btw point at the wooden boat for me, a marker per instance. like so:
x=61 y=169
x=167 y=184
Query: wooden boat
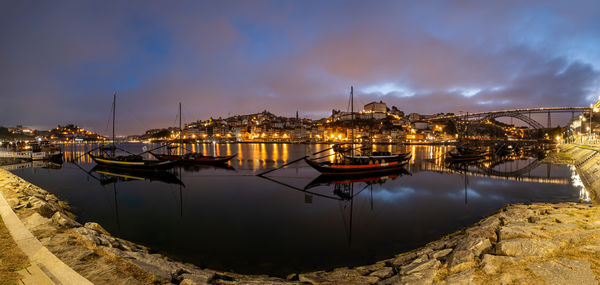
x=193 y=157
x=132 y=162
x=329 y=168
x=108 y=158
x=347 y=164
x=377 y=157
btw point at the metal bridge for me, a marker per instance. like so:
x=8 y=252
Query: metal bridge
x=521 y=114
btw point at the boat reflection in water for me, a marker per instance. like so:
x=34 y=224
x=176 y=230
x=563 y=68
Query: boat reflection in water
x=344 y=190
x=111 y=175
x=203 y=167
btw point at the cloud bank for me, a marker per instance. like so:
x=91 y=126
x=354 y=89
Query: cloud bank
x=60 y=62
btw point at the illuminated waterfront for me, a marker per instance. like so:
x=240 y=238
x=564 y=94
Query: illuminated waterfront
x=226 y=218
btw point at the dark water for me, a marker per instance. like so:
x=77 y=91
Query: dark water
x=230 y=219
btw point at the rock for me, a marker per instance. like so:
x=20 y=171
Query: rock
x=162 y=269
x=511 y=232
x=64 y=205
x=559 y=227
x=393 y=280
x=338 y=276
x=420 y=266
x=421 y=258
x=189 y=282
x=491 y=263
x=464 y=277
x=20 y=206
x=424 y=251
x=565 y=271
x=578 y=236
x=486 y=229
x=96 y=227
x=488 y=232
x=440 y=253
x=476 y=245
x=370 y=268
x=383 y=273
x=522 y=247
x=591 y=249
x=402 y=259
x=40 y=206
x=191 y=279
x=514 y=214
x=513 y=276
x=50 y=197
x=88 y=234
x=490 y=222
x=35 y=220
x=461 y=260
x=421 y=277
x=13 y=202
x=564 y=219
x=594 y=224
x=446 y=242
x=64 y=220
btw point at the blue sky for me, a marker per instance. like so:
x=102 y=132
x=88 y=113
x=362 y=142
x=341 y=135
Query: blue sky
x=61 y=61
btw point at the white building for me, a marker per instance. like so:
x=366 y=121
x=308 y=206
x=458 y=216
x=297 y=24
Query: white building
x=375 y=107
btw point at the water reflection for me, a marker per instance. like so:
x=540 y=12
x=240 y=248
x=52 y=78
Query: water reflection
x=341 y=188
x=32 y=164
x=111 y=175
x=107 y=176
x=296 y=220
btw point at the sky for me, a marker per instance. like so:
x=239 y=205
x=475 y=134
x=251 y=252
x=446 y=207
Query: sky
x=61 y=61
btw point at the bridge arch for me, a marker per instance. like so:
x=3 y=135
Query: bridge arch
x=531 y=122
x=515 y=173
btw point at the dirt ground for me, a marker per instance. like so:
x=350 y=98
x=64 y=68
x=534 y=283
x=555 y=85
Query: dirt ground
x=12 y=259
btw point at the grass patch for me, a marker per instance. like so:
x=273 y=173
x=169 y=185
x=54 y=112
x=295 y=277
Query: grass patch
x=12 y=259
x=585 y=146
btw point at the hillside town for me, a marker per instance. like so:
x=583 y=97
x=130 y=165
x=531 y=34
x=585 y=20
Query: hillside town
x=66 y=133
x=376 y=123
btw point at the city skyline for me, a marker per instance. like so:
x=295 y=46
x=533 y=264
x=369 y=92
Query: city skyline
x=64 y=60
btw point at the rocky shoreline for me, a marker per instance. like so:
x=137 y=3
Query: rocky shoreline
x=537 y=243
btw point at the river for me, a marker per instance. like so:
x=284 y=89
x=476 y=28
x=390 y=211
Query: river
x=227 y=218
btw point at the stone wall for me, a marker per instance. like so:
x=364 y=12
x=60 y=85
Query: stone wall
x=587 y=162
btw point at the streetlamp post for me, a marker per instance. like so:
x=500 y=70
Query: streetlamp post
x=580 y=128
x=591 y=114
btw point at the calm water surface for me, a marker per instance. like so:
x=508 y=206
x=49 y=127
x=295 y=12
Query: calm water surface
x=230 y=219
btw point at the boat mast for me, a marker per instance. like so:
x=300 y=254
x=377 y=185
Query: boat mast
x=180 y=138
x=352 y=114
x=113 y=122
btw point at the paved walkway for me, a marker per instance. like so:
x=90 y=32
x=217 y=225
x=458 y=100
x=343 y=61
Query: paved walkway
x=45 y=267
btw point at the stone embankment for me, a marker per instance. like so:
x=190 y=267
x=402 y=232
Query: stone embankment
x=533 y=244
x=586 y=160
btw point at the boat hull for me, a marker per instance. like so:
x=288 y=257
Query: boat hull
x=348 y=169
x=148 y=165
